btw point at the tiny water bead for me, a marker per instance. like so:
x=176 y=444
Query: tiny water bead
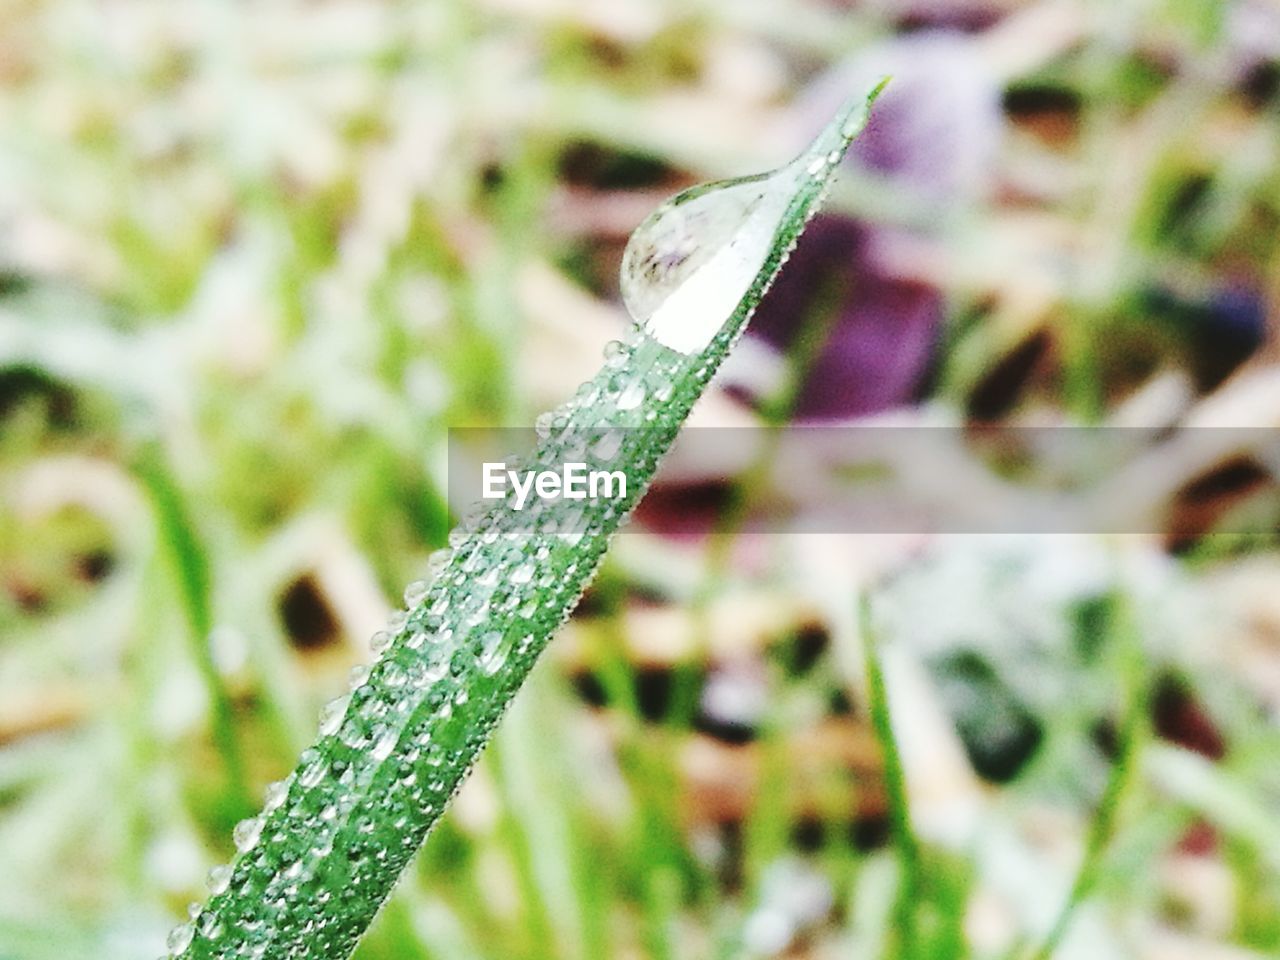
x=380 y=641
x=415 y=591
x=275 y=795
x=331 y=716
x=615 y=355
x=315 y=866
x=246 y=833
x=180 y=938
x=219 y=878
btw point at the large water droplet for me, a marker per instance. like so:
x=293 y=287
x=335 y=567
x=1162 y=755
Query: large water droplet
x=689 y=265
x=686 y=267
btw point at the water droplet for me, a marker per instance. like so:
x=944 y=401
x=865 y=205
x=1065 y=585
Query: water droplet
x=384 y=745
x=276 y=794
x=415 y=593
x=246 y=833
x=379 y=641
x=493 y=653
x=352 y=735
x=180 y=938
x=632 y=395
x=522 y=573
x=332 y=714
x=429 y=671
x=218 y=879
x=210 y=926
x=689 y=265
x=312 y=772
x=438 y=561
x=615 y=353
x=478 y=615
x=607 y=447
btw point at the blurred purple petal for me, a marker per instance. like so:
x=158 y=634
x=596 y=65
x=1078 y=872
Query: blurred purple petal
x=933 y=137
x=877 y=355
x=879 y=347
x=936 y=130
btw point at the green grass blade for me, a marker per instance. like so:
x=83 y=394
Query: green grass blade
x=315 y=867
x=189 y=567
x=1134 y=735
x=911 y=869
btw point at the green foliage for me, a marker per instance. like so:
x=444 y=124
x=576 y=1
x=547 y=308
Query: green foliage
x=321 y=859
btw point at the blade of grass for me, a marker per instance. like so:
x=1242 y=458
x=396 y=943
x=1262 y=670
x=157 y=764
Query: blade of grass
x=316 y=866
x=527 y=776
x=1134 y=734
x=911 y=879
x=189 y=566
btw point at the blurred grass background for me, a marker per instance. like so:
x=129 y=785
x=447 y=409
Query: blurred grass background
x=255 y=260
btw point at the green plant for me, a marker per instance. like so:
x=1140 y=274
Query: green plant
x=322 y=857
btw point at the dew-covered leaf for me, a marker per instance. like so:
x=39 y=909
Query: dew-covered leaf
x=315 y=866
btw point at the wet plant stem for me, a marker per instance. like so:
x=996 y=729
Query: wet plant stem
x=318 y=863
